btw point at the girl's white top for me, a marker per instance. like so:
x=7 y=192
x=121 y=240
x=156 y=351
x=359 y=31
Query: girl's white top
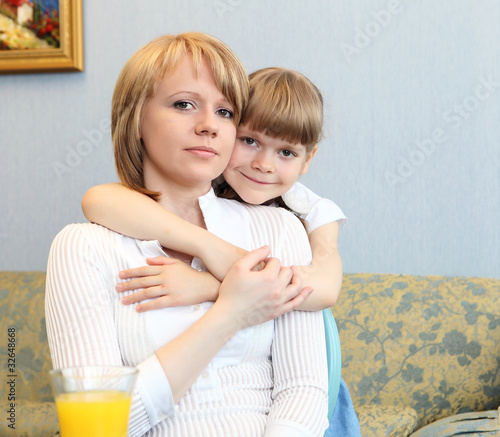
x=315 y=210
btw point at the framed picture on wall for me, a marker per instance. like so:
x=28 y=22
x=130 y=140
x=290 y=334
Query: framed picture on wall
x=41 y=36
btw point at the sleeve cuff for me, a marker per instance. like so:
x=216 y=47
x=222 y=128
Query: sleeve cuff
x=324 y=211
x=154 y=390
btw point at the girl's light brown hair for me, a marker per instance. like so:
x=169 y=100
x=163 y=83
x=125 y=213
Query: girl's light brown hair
x=285 y=104
x=139 y=80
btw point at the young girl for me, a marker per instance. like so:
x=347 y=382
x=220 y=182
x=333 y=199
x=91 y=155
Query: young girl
x=275 y=143
x=231 y=367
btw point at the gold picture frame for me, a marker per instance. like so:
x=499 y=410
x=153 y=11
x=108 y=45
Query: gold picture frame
x=67 y=57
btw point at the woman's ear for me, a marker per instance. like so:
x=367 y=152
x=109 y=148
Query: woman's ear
x=307 y=162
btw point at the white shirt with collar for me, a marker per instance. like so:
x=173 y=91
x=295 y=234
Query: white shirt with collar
x=269 y=380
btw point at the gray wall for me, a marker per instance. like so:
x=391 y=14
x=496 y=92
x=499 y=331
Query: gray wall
x=411 y=153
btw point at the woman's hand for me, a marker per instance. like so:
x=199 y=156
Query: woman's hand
x=169 y=282
x=257 y=296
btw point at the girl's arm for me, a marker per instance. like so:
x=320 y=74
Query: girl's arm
x=324 y=220
x=136 y=215
x=166 y=282
x=324 y=274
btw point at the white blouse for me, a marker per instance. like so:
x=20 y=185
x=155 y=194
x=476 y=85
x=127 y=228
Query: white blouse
x=269 y=380
x=315 y=210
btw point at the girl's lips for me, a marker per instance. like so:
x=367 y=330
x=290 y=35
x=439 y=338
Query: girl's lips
x=256 y=181
x=203 y=152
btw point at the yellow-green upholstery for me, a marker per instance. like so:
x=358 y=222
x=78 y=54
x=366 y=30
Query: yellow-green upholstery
x=415 y=349
x=430 y=343
x=22 y=314
x=384 y=420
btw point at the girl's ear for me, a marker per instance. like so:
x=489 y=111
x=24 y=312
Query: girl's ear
x=307 y=162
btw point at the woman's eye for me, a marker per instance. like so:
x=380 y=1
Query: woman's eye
x=183 y=105
x=249 y=141
x=226 y=113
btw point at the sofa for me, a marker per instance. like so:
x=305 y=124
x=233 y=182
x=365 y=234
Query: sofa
x=415 y=349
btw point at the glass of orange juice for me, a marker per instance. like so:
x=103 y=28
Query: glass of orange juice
x=93 y=401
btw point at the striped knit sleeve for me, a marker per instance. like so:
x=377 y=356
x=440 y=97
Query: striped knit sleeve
x=79 y=311
x=300 y=394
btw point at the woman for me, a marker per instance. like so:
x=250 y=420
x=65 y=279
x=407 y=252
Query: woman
x=218 y=368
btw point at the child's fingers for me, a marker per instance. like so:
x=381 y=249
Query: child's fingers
x=161 y=261
x=135 y=284
x=294 y=302
x=139 y=272
x=146 y=293
x=155 y=304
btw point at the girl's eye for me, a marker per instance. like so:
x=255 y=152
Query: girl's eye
x=183 y=105
x=249 y=141
x=226 y=113
x=287 y=153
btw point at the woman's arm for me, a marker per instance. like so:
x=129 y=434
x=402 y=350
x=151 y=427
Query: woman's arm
x=243 y=301
x=82 y=328
x=137 y=215
x=169 y=282
x=300 y=393
x=324 y=274
x=80 y=317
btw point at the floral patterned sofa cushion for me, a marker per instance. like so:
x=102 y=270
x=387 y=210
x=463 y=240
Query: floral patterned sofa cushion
x=430 y=343
x=415 y=349
x=22 y=322
x=386 y=421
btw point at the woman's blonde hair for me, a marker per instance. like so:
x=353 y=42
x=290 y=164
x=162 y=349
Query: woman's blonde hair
x=139 y=79
x=285 y=104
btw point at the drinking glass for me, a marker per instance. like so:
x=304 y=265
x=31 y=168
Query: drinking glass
x=93 y=401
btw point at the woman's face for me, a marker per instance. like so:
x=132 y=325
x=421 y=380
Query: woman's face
x=187 y=129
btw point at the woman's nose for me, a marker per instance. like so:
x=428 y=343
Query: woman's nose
x=207 y=124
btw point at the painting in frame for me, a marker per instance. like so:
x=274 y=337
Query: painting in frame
x=41 y=36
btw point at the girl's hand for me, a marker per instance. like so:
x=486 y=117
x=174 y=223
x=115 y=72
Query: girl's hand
x=257 y=296
x=169 y=282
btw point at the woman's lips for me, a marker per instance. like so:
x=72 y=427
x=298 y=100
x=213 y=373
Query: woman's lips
x=202 y=152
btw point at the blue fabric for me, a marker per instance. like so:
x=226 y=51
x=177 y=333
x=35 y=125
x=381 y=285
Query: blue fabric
x=344 y=421
x=334 y=356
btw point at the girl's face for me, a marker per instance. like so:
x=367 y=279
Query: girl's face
x=187 y=129
x=262 y=167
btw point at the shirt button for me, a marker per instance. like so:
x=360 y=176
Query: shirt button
x=196 y=307
x=205 y=375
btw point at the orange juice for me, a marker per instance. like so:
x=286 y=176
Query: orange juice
x=93 y=413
